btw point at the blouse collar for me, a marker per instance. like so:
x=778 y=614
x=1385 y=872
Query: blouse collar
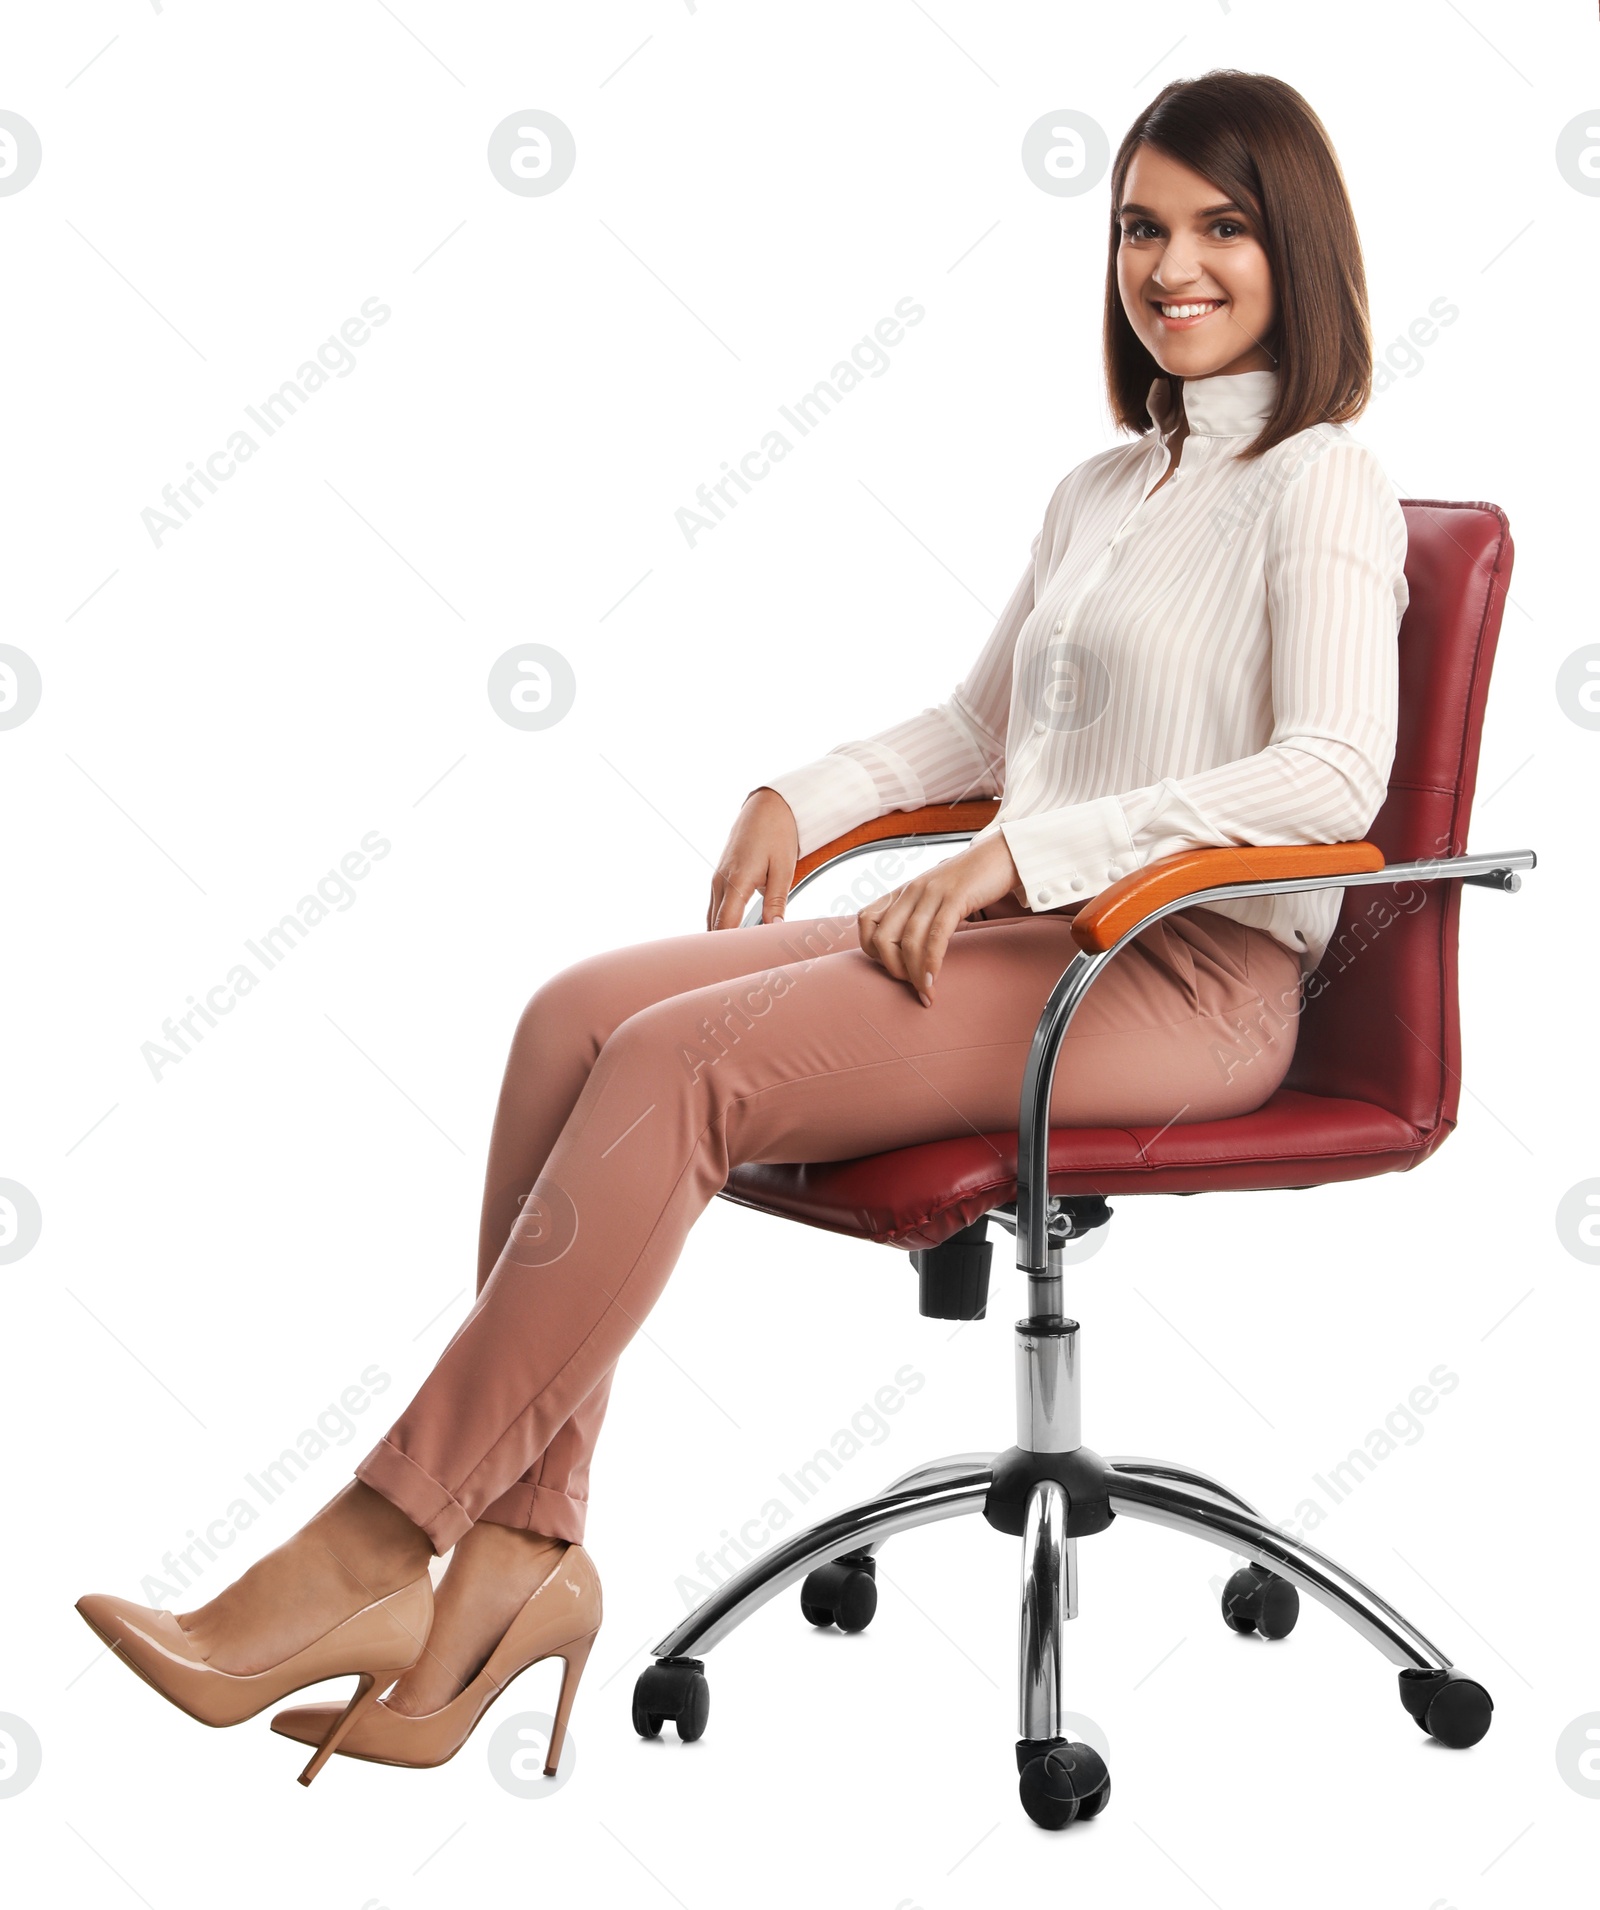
x=1225 y=405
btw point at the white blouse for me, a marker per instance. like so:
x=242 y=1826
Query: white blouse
x=1212 y=664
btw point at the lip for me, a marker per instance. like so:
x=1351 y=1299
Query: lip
x=1185 y=324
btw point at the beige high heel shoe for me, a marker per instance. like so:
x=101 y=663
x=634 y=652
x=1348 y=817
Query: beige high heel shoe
x=559 y=1620
x=376 y=1643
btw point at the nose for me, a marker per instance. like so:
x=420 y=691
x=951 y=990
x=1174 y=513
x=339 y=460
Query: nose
x=1175 y=274
x=1177 y=267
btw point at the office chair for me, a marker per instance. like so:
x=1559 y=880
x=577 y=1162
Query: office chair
x=1373 y=1088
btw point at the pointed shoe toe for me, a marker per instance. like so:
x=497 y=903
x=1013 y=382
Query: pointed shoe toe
x=374 y=1644
x=118 y=1621
x=382 y=1736
x=307 y=1723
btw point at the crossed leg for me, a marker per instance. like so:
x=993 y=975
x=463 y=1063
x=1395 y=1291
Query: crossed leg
x=797 y=1048
x=637 y=1080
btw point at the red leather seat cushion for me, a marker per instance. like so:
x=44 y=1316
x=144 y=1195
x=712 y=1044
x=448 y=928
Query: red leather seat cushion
x=919 y=1196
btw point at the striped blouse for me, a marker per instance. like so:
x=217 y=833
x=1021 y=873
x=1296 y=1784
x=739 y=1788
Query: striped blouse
x=1207 y=664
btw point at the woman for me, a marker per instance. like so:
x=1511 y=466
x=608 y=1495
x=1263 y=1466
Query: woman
x=1201 y=652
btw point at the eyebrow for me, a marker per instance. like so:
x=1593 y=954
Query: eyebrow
x=1207 y=212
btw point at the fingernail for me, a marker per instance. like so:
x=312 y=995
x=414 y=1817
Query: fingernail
x=927 y=981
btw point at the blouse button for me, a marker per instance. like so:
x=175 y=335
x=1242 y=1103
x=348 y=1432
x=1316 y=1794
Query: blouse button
x=1038 y=729
x=1077 y=881
x=1059 y=622
x=1113 y=870
x=1046 y=895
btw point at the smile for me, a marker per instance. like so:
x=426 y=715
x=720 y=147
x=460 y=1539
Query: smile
x=1182 y=315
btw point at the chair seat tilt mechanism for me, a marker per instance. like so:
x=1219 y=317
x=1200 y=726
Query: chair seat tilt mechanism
x=1373 y=1088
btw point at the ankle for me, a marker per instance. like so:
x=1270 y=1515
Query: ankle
x=372 y=1539
x=511 y=1542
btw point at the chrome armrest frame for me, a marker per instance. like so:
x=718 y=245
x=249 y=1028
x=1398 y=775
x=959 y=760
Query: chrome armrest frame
x=1033 y=1120
x=752 y=917
x=1029 y=1219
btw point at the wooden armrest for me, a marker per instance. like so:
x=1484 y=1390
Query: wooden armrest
x=1104 y=919
x=1101 y=922
x=937 y=819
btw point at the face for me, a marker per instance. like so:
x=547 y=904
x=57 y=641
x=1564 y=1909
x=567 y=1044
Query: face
x=1192 y=272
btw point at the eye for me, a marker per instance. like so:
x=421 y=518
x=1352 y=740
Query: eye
x=1225 y=228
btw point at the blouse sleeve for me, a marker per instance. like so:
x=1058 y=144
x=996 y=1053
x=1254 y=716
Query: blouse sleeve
x=1335 y=593
x=948 y=752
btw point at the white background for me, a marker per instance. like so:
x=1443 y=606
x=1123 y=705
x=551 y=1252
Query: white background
x=225 y=1249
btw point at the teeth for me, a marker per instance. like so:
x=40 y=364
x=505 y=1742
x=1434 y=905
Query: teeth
x=1190 y=311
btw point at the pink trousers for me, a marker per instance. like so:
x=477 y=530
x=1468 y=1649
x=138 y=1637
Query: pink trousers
x=639 y=1078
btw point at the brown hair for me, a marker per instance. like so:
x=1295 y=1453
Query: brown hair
x=1258 y=139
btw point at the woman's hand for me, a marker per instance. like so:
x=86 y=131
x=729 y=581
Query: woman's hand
x=908 y=930
x=762 y=849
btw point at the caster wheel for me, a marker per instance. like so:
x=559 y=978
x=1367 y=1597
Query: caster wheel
x=673 y=1688
x=842 y=1593
x=1255 y=1599
x=1449 y=1707
x=1061 y=1782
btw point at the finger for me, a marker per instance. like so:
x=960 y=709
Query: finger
x=921 y=946
x=775 y=890
x=944 y=926
x=867 y=930
x=884 y=948
x=888 y=934
x=735 y=895
x=715 y=904
x=914 y=943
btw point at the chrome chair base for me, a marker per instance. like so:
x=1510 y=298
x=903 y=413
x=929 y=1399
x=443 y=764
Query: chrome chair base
x=943 y=1490
x=1148 y=1489
x=1053 y=1490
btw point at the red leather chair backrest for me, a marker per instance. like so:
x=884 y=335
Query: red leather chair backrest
x=1380 y=1022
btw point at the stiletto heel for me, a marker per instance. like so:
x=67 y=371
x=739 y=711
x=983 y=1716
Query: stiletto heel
x=559 y=1620
x=366 y=1692
x=577 y=1656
